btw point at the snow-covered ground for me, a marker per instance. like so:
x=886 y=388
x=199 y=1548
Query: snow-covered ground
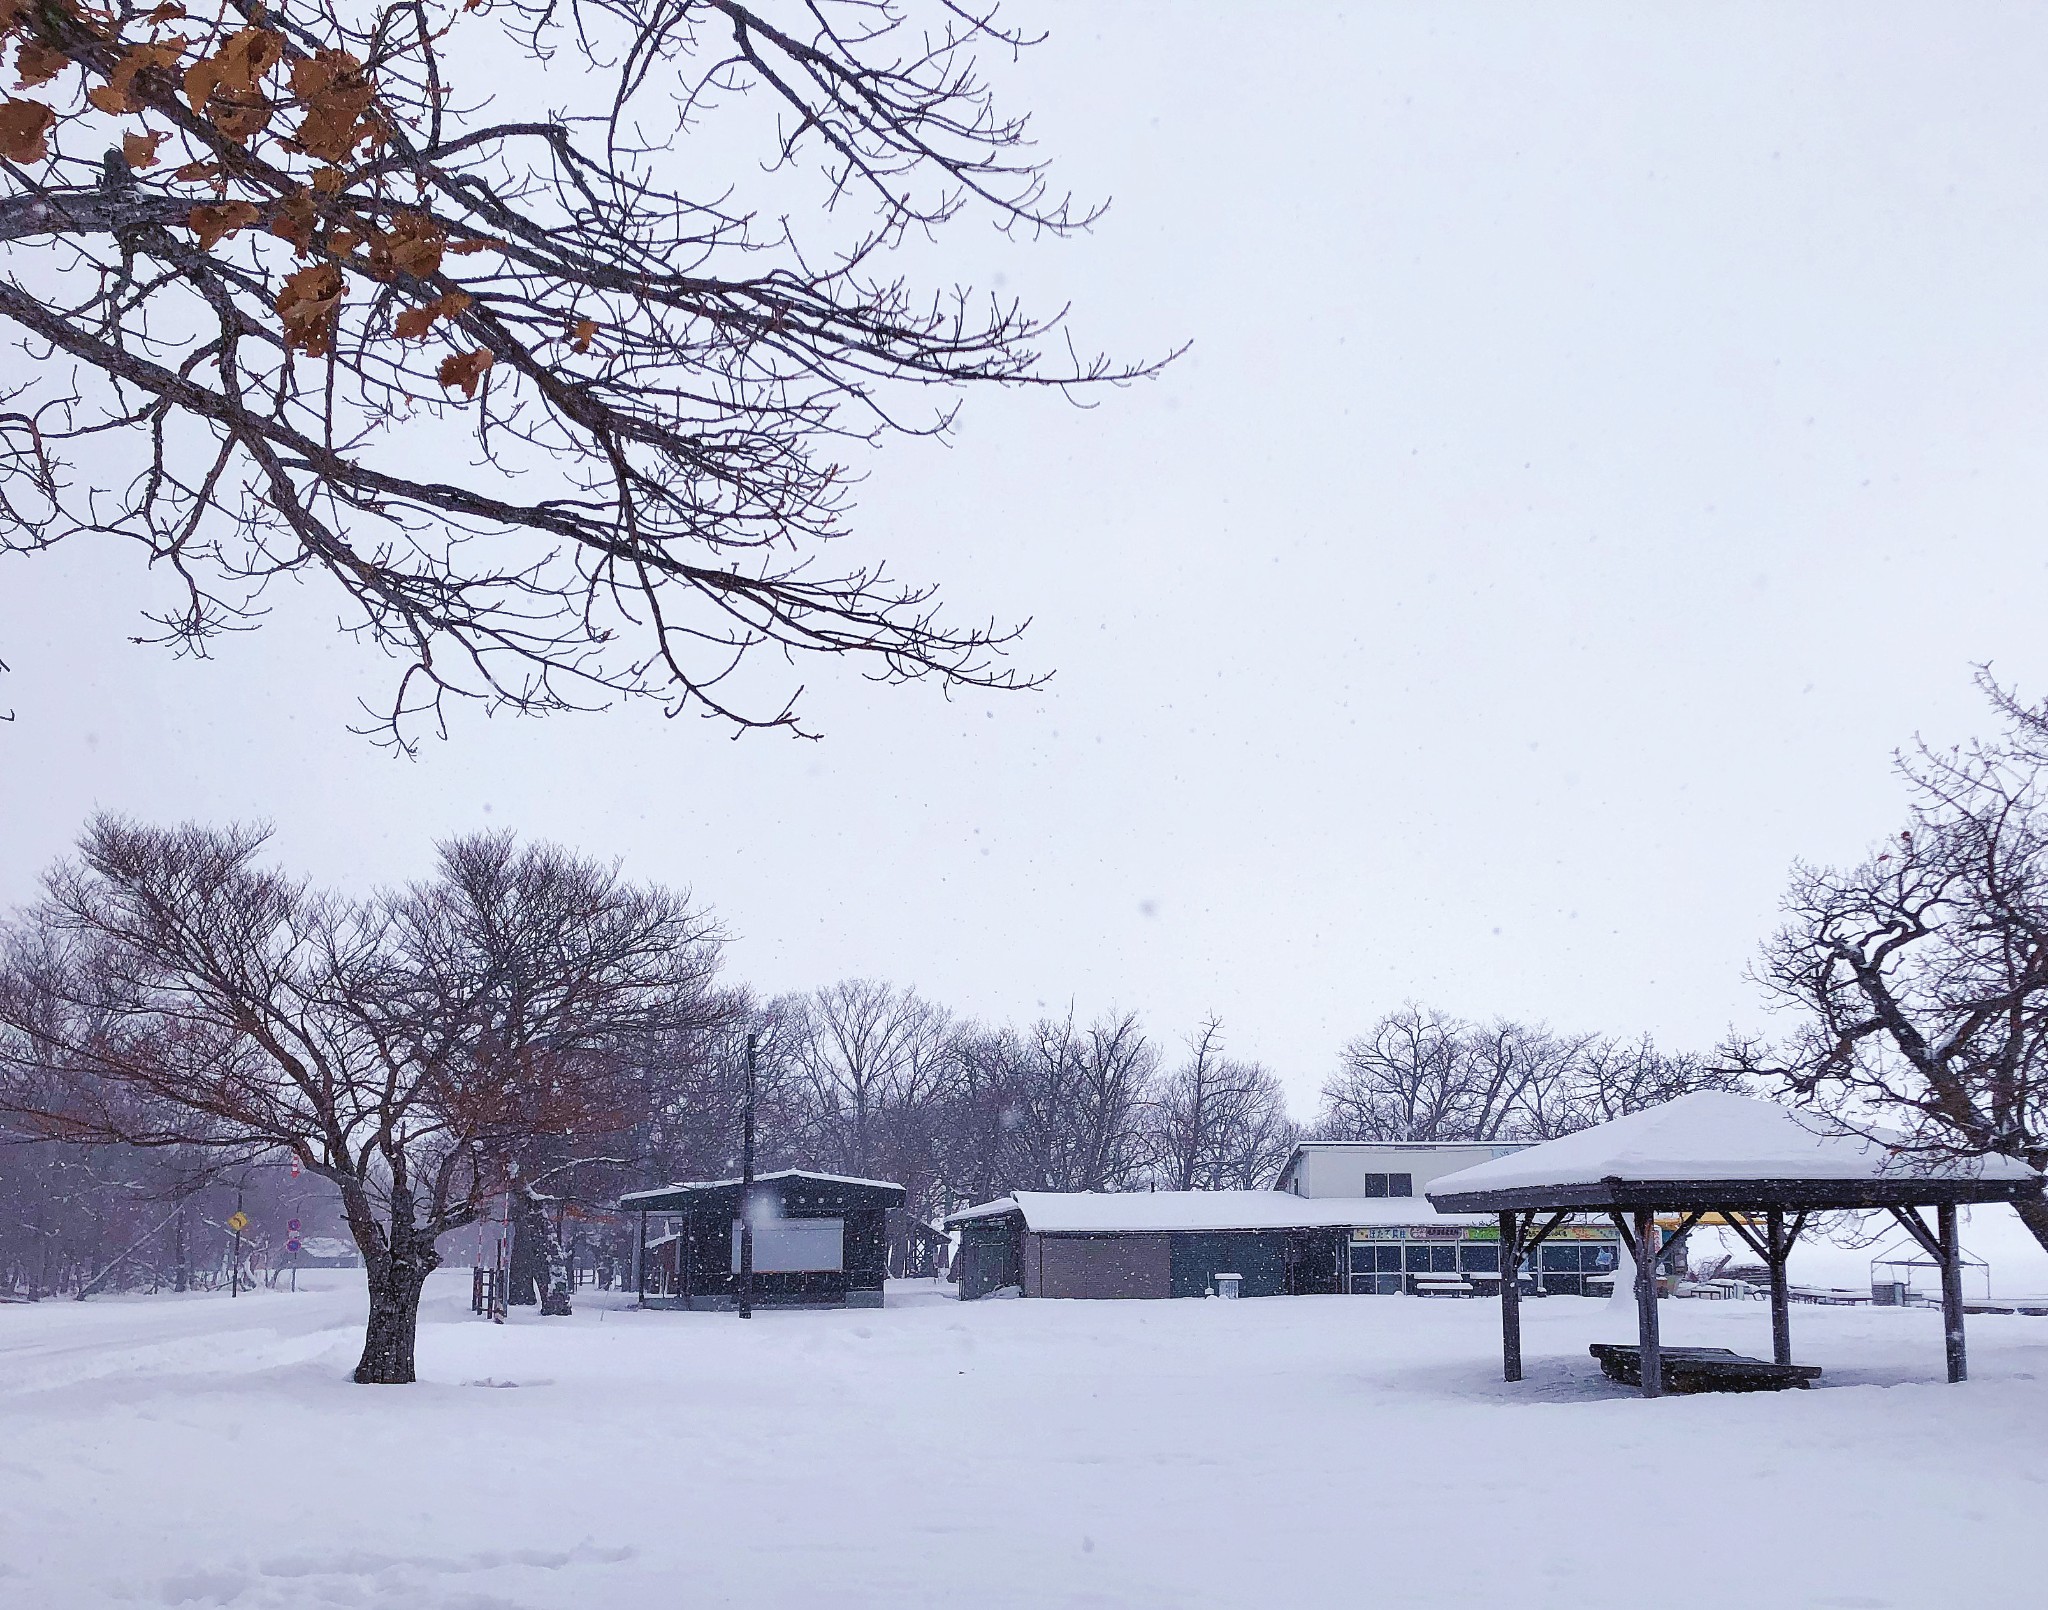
x=1291 y=1451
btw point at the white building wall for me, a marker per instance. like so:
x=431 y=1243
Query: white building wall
x=1339 y=1168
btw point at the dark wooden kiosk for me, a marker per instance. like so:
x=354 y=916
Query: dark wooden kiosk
x=819 y=1241
x=1760 y=1170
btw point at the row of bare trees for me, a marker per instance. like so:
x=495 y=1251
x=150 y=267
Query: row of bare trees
x=79 y=1219
x=873 y=1080
x=1423 y=1074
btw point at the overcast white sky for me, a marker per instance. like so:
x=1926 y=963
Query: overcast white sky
x=1608 y=433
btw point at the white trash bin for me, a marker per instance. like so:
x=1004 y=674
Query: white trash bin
x=1227 y=1285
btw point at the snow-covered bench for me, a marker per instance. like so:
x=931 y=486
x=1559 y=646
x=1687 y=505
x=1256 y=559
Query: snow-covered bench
x=1702 y=1369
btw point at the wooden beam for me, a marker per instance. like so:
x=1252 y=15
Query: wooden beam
x=1646 y=1303
x=1510 y=1297
x=1535 y=1240
x=1952 y=1293
x=1915 y=1226
x=1747 y=1236
x=1688 y=1222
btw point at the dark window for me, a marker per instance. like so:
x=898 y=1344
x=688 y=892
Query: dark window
x=1600 y=1259
x=1487 y=1258
x=1560 y=1257
x=1375 y=1185
x=1400 y=1185
x=1443 y=1260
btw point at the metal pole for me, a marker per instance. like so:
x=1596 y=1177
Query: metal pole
x=1510 y=1298
x=747 y=1190
x=1781 y=1301
x=640 y=1261
x=1952 y=1292
x=1646 y=1303
x=235 y=1257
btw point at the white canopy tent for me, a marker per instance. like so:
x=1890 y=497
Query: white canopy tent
x=1750 y=1163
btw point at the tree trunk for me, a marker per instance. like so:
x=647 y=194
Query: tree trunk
x=537 y=1257
x=393 y=1330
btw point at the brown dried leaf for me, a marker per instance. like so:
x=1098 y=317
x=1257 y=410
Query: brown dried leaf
x=579 y=341
x=294 y=220
x=336 y=93
x=412 y=245
x=202 y=78
x=469 y=248
x=38 y=64
x=25 y=130
x=213 y=224
x=329 y=181
x=169 y=12
x=309 y=305
x=117 y=95
x=248 y=57
x=415 y=322
x=193 y=172
x=140 y=149
x=240 y=116
x=465 y=369
x=343 y=241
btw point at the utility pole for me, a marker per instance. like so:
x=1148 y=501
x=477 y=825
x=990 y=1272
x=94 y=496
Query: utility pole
x=747 y=1188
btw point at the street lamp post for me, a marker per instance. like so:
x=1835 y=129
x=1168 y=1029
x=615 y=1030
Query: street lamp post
x=747 y=1189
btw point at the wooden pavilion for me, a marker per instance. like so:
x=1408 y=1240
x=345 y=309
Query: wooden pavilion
x=1759 y=1169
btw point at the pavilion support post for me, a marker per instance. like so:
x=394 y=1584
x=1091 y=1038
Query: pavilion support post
x=640 y=1263
x=1646 y=1303
x=1510 y=1297
x=1779 y=1249
x=1952 y=1292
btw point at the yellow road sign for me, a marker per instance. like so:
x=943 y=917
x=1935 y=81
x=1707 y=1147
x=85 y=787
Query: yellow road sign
x=238 y=1222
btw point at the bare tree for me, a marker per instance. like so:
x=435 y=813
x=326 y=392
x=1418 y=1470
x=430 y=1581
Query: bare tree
x=1605 y=1078
x=169 y=991
x=1077 y=1104
x=872 y=1058
x=1404 y=1080
x=558 y=404
x=1219 y=1124
x=1918 y=978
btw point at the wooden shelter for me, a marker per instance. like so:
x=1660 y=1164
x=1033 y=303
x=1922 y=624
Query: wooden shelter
x=1754 y=1167
x=819 y=1241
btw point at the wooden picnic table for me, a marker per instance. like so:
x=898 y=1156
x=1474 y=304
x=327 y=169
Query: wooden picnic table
x=1703 y=1369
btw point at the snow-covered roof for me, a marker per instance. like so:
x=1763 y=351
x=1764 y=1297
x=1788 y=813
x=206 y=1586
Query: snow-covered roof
x=1718 y=1138
x=632 y=1197
x=1124 y=1212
